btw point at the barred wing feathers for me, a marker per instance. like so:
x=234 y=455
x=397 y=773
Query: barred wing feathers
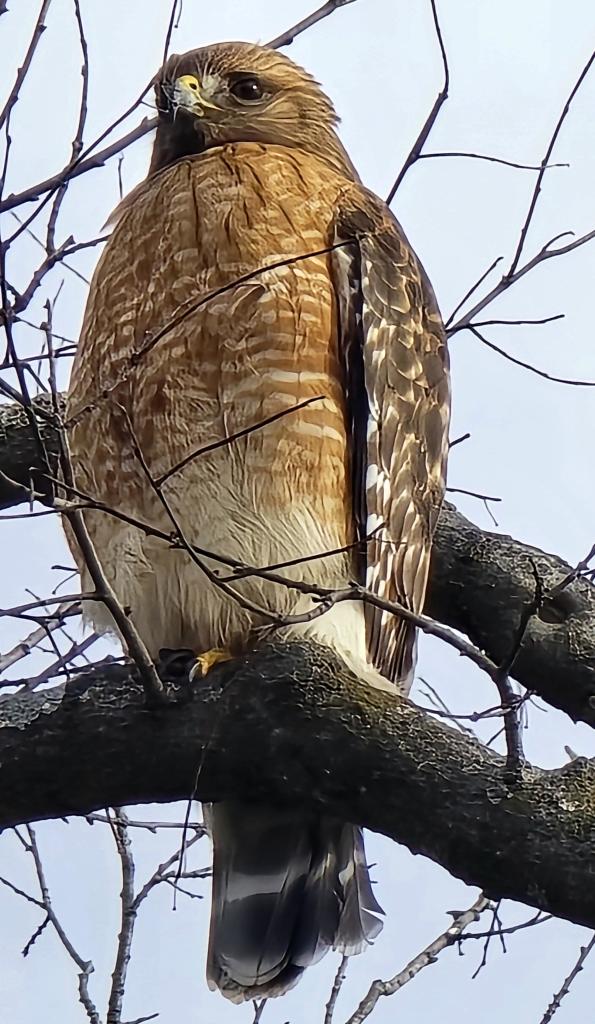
x=398 y=401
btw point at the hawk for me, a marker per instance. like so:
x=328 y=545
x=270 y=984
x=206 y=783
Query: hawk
x=262 y=370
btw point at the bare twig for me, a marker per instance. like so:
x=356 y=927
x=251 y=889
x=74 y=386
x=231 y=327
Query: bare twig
x=459 y=440
x=494 y=931
x=137 y=650
x=432 y=117
x=68 y=170
x=335 y=990
x=544 y=163
x=579 y=570
x=158 y=875
x=150 y=826
x=40 y=27
x=20 y=892
x=287 y=37
x=564 y=990
x=538 y=918
x=85 y=966
x=472 y=494
x=428 y=956
x=230 y=438
x=29 y=643
x=63 y=661
x=77 y=143
x=68 y=248
x=80 y=166
x=470 y=291
x=119 y=826
x=491 y=159
x=172 y=23
x=258 y=1010
x=509 y=279
x=519 y=323
x=528 y=366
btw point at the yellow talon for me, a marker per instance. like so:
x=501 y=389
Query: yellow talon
x=205 y=661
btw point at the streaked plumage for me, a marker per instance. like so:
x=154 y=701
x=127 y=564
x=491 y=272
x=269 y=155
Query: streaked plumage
x=249 y=273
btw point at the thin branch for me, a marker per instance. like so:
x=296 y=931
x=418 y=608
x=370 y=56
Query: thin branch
x=495 y=930
x=158 y=875
x=519 y=323
x=119 y=826
x=137 y=650
x=230 y=438
x=564 y=990
x=150 y=826
x=580 y=569
x=38 y=931
x=40 y=27
x=538 y=918
x=68 y=248
x=104 y=591
x=258 y=1010
x=428 y=956
x=20 y=892
x=63 y=661
x=432 y=117
x=491 y=159
x=472 y=494
x=34 y=639
x=528 y=366
x=70 y=167
x=287 y=37
x=85 y=966
x=459 y=440
x=335 y=990
x=170 y=28
x=80 y=166
x=77 y=143
x=508 y=279
x=544 y=163
x=470 y=292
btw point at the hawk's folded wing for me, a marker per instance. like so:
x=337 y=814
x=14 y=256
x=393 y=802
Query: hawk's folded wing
x=397 y=389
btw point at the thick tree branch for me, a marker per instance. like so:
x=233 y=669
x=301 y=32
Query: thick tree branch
x=481 y=583
x=289 y=723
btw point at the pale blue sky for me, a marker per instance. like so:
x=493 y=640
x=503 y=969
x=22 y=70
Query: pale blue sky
x=512 y=65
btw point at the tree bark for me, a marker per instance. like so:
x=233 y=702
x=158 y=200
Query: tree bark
x=480 y=583
x=289 y=723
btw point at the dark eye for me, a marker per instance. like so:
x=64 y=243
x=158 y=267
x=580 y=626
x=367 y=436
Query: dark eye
x=246 y=88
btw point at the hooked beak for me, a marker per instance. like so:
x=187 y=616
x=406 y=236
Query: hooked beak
x=186 y=94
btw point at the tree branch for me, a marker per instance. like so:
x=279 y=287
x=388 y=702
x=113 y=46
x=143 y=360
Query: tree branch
x=288 y=723
x=481 y=583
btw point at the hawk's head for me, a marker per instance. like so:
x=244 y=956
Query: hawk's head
x=239 y=92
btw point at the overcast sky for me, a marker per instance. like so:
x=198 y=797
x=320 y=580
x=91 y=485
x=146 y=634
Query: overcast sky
x=512 y=66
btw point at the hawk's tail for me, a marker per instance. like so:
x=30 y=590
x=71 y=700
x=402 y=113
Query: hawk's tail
x=286 y=887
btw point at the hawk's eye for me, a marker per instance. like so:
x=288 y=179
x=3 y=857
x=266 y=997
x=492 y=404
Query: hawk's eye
x=246 y=88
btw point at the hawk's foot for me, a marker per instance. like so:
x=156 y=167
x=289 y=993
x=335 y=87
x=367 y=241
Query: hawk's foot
x=204 y=662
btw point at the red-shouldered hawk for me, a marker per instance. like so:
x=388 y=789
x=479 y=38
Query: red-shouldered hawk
x=252 y=278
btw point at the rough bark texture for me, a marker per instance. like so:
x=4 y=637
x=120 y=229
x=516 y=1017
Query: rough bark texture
x=480 y=584
x=20 y=456
x=289 y=723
